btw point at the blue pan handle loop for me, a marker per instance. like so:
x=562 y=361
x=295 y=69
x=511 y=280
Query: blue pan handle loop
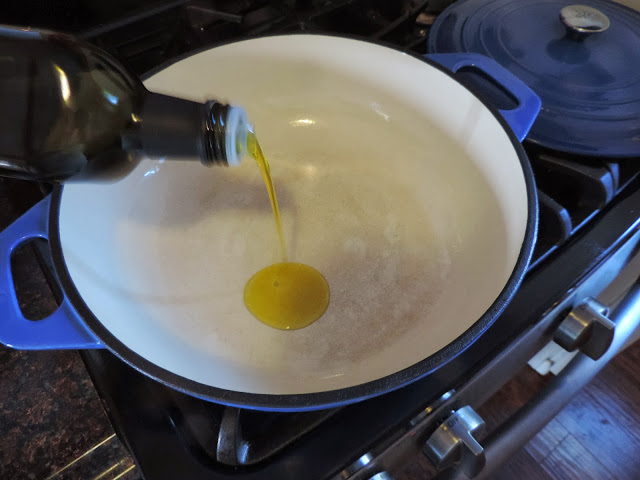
x=63 y=329
x=521 y=118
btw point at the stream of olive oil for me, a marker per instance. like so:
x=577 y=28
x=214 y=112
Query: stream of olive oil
x=256 y=152
x=285 y=295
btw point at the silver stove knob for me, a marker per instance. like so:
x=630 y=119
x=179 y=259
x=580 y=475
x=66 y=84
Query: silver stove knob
x=453 y=443
x=586 y=328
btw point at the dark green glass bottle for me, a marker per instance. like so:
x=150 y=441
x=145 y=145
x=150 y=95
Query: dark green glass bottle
x=70 y=111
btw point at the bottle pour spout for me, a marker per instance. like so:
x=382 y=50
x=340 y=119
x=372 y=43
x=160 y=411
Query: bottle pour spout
x=213 y=132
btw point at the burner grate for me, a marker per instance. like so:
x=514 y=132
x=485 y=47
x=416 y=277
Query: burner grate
x=152 y=36
x=571 y=192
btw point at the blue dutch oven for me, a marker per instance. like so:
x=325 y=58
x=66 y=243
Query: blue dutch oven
x=408 y=191
x=582 y=60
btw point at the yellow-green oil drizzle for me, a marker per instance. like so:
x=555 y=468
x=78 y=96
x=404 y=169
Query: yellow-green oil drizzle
x=256 y=153
x=285 y=295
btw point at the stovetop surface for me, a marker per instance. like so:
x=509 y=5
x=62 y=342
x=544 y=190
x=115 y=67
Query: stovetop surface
x=586 y=206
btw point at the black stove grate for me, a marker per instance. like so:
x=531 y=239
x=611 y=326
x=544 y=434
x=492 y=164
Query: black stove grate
x=571 y=192
x=153 y=35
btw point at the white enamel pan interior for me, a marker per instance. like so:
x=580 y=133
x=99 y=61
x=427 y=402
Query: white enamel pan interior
x=394 y=181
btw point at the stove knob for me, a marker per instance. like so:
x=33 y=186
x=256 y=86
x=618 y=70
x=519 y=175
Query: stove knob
x=586 y=328
x=454 y=443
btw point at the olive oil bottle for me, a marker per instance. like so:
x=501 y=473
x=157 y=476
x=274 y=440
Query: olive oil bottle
x=70 y=111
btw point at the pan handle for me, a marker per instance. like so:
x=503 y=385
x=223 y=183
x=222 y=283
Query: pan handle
x=520 y=118
x=64 y=328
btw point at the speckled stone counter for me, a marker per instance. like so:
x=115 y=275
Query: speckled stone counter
x=52 y=424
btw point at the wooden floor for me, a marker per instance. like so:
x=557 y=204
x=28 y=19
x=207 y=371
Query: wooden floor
x=597 y=436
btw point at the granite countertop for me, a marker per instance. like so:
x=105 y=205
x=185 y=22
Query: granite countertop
x=52 y=423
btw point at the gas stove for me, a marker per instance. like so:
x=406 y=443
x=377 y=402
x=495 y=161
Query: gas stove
x=579 y=295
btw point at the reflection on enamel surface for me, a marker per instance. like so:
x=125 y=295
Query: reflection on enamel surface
x=302 y=122
x=378 y=109
x=65 y=90
x=310 y=170
x=152 y=171
x=112 y=99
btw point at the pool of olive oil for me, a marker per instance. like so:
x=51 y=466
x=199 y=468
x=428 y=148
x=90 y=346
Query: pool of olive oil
x=285 y=295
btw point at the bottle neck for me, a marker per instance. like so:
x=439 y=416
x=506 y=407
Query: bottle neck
x=171 y=127
x=214 y=137
x=226 y=130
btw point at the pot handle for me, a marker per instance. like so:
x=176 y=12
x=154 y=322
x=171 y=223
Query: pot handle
x=520 y=118
x=64 y=328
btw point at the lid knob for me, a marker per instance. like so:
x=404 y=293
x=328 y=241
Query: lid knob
x=582 y=21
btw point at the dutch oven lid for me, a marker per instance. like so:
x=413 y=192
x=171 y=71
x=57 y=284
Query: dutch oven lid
x=582 y=60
